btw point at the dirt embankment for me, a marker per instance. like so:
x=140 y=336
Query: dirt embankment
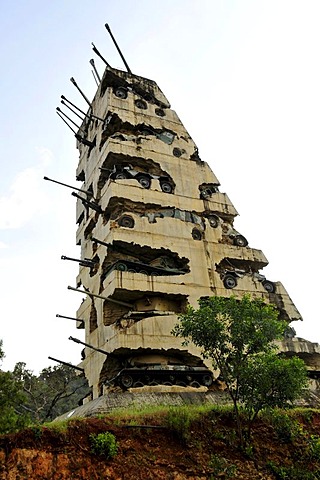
x=152 y=448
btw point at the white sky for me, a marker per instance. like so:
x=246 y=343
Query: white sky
x=244 y=78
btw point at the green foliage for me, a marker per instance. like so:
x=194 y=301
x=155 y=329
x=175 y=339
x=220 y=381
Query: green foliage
x=220 y=467
x=11 y=395
x=1 y=350
x=104 y=444
x=268 y=381
x=292 y=472
x=286 y=427
x=313 y=450
x=53 y=392
x=179 y=419
x=239 y=336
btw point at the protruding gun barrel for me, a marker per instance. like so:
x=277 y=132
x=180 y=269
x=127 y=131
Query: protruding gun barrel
x=72 y=318
x=96 y=51
x=94 y=68
x=67 y=364
x=72 y=80
x=117 y=47
x=87 y=203
x=76 y=340
x=84 y=263
x=112 y=300
x=87 y=192
x=64 y=99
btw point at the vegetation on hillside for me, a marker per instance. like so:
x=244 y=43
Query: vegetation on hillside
x=190 y=442
x=239 y=336
x=27 y=399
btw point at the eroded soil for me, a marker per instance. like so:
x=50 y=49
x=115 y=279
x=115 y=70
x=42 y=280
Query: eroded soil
x=150 y=449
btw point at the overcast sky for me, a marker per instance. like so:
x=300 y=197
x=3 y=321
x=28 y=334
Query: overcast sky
x=243 y=77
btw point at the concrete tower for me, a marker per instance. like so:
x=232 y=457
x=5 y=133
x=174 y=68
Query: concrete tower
x=156 y=234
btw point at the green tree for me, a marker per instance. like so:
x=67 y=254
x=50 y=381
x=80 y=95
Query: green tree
x=53 y=392
x=11 y=396
x=239 y=336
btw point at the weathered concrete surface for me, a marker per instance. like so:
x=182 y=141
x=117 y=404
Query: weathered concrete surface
x=143 y=134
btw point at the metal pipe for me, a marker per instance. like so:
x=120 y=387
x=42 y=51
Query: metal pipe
x=76 y=340
x=67 y=364
x=72 y=80
x=87 y=192
x=100 y=296
x=94 y=68
x=117 y=47
x=96 y=51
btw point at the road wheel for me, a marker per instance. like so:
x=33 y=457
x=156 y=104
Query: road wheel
x=195 y=384
x=230 y=281
x=141 y=104
x=126 y=221
x=207 y=380
x=121 y=92
x=121 y=176
x=196 y=234
x=122 y=267
x=240 y=241
x=166 y=187
x=269 y=286
x=126 y=380
x=144 y=181
x=213 y=221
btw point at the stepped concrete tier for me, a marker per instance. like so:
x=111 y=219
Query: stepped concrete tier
x=156 y=233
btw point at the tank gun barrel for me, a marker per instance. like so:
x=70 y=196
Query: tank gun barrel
x=74 y=131
x=86 y=202
x=94 y=239
x=86 y=262
x=94 y=68
x=64 y=99
x=72 y=80
x=117 y=47
x=70 y=120
x=67 y=364
x=71 y=318
x=76 y=340
x=96 y=51
x=112 y=300
x=87 y=192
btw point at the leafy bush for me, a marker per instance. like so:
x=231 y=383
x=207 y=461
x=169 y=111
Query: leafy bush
x=104 y=444
x=178 y=420
x=285 y=427
x=313 y=450
x=291 y=472
x=220 y=467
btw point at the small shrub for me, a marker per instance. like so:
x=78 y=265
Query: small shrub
x=291 y=472
x=313 y=450
x=37 y=431
x=178 y=420
x=220 y=467
x=286 y=427
x=104 y=444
